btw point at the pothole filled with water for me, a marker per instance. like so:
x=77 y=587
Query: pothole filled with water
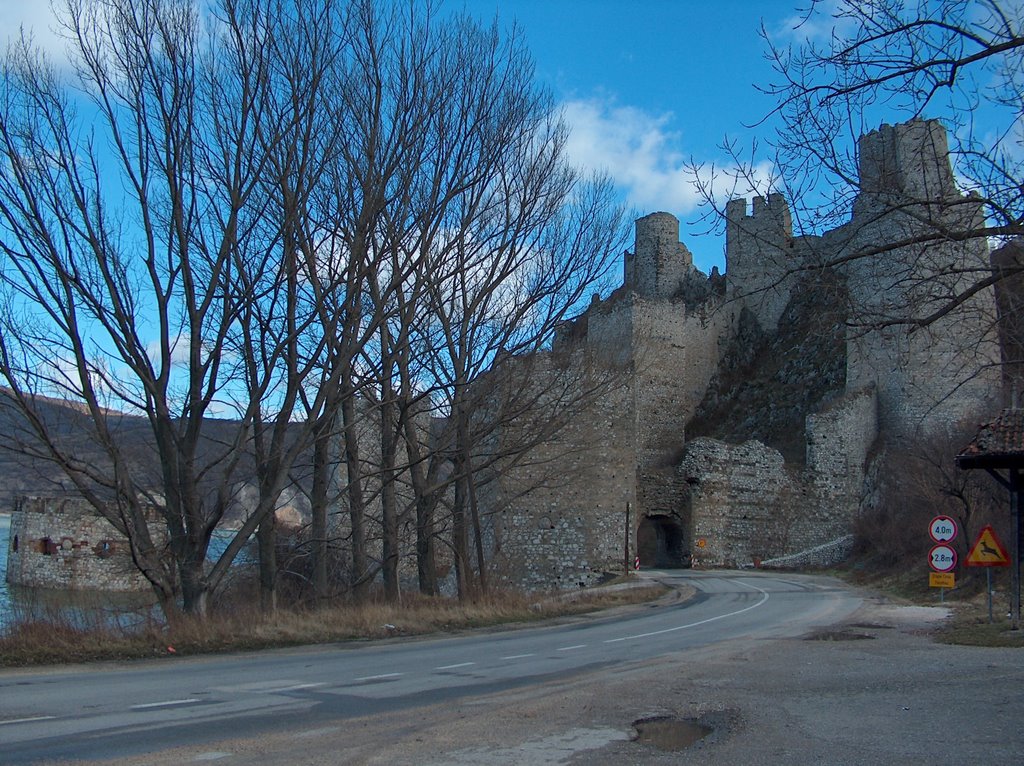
x=671 y=734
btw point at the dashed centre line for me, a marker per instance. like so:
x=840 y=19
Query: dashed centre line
x=297 y=687
x=381 y=677
x=29 y=720
x=458 y=665
x=518 y=656
x=165 y=703
x=570 y=648
x=764 y=599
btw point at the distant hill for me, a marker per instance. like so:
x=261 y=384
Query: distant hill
x=24 y=469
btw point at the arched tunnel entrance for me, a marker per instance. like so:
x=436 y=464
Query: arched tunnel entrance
x=660 y=543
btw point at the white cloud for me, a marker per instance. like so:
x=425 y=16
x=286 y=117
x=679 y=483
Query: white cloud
x=829 y=17
x=645 y=158
x=636 y=148
x=37 y=18
x=181 y=348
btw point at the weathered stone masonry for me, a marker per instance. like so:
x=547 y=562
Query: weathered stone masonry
x=671 y=326
x=692 y=348
x=62 y=544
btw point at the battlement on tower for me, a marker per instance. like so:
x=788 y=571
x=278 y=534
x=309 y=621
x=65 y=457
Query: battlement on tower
x=660 y=264
x=905 y=163
x=759 y=256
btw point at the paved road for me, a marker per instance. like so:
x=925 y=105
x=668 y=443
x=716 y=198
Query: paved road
x=93 y=713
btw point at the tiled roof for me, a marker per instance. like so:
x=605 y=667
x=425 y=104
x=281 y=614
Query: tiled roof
x=998 y=444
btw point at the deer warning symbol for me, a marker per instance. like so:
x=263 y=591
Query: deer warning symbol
x=987 y=551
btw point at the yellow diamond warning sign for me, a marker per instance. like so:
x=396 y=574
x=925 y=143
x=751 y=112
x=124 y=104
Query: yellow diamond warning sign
x=987 y=551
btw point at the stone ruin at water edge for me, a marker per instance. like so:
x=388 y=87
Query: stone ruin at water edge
x=753 y=412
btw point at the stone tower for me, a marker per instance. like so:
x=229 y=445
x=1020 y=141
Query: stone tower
x=660 y=263
x=758 y=256
x=901 y=266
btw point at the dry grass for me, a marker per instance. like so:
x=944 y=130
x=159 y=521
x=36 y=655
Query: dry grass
x=52 y=641
x=970 y=625
x=968 y=601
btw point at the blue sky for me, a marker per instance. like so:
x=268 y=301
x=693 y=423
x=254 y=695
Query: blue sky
x=647 y=86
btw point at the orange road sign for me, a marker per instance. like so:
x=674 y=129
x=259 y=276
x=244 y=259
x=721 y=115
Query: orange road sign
x=987 y=551
x=941 y=579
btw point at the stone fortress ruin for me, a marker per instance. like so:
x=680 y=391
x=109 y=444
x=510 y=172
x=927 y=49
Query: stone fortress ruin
x=756 y=401
x=751 y=411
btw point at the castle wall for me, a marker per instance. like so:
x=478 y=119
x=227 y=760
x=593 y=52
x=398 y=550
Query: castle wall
x=760 y=257
x=63 y=544
x=741 y=501
x=559 y=516
x=747 y=505
x=668 y=325
x=839 y=438
x=933 y=376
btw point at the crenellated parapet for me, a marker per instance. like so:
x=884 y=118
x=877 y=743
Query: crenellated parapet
x=906 y=163
x=759 y=256
x=660 y=263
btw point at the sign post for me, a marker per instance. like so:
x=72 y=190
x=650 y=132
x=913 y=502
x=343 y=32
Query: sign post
x=942 y=557
x=988 y=552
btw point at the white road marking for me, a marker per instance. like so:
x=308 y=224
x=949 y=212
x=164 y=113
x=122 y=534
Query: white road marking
x=570 y=648
x=764 y=599
x=297 y=687
x=452 y=667
x=517 y=656
x=260 y=686
x=165 y=703
x=29 y=720
x=380 y=677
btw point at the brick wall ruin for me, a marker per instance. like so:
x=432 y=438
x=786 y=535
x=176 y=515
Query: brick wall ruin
x=63 y=544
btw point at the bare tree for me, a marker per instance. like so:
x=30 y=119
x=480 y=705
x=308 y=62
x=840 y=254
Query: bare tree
x=140 y=270
x=473 y=237
x=958 y=60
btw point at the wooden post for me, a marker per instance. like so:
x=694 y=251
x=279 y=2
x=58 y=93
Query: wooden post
x=1015 y=512
x=625 y=548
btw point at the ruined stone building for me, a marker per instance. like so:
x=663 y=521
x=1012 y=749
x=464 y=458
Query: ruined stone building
x=754 y=400
x=61 y=543
x=748 y=409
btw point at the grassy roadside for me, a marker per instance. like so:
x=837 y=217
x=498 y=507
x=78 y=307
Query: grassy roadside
x=968 y=624
x=54 y=641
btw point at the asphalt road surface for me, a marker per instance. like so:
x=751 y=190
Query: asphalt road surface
x=131 y=710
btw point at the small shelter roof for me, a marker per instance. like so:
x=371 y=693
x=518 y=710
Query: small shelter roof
x=998 y=443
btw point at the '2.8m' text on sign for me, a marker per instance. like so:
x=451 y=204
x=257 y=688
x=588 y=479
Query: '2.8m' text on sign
x=942 y=558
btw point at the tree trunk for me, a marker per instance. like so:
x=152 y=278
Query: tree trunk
x=389 y=498
x=266 y=539
x=425 y=498
x=478 y=536
x=318 y=503
x=460 y=537
x=194 y=588
x=356 y=501
x=388 y=452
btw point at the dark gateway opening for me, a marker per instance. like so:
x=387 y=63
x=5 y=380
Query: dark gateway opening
x=659 y=543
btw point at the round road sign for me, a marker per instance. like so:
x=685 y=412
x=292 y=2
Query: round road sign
x=942 y=558
x=942 y=529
